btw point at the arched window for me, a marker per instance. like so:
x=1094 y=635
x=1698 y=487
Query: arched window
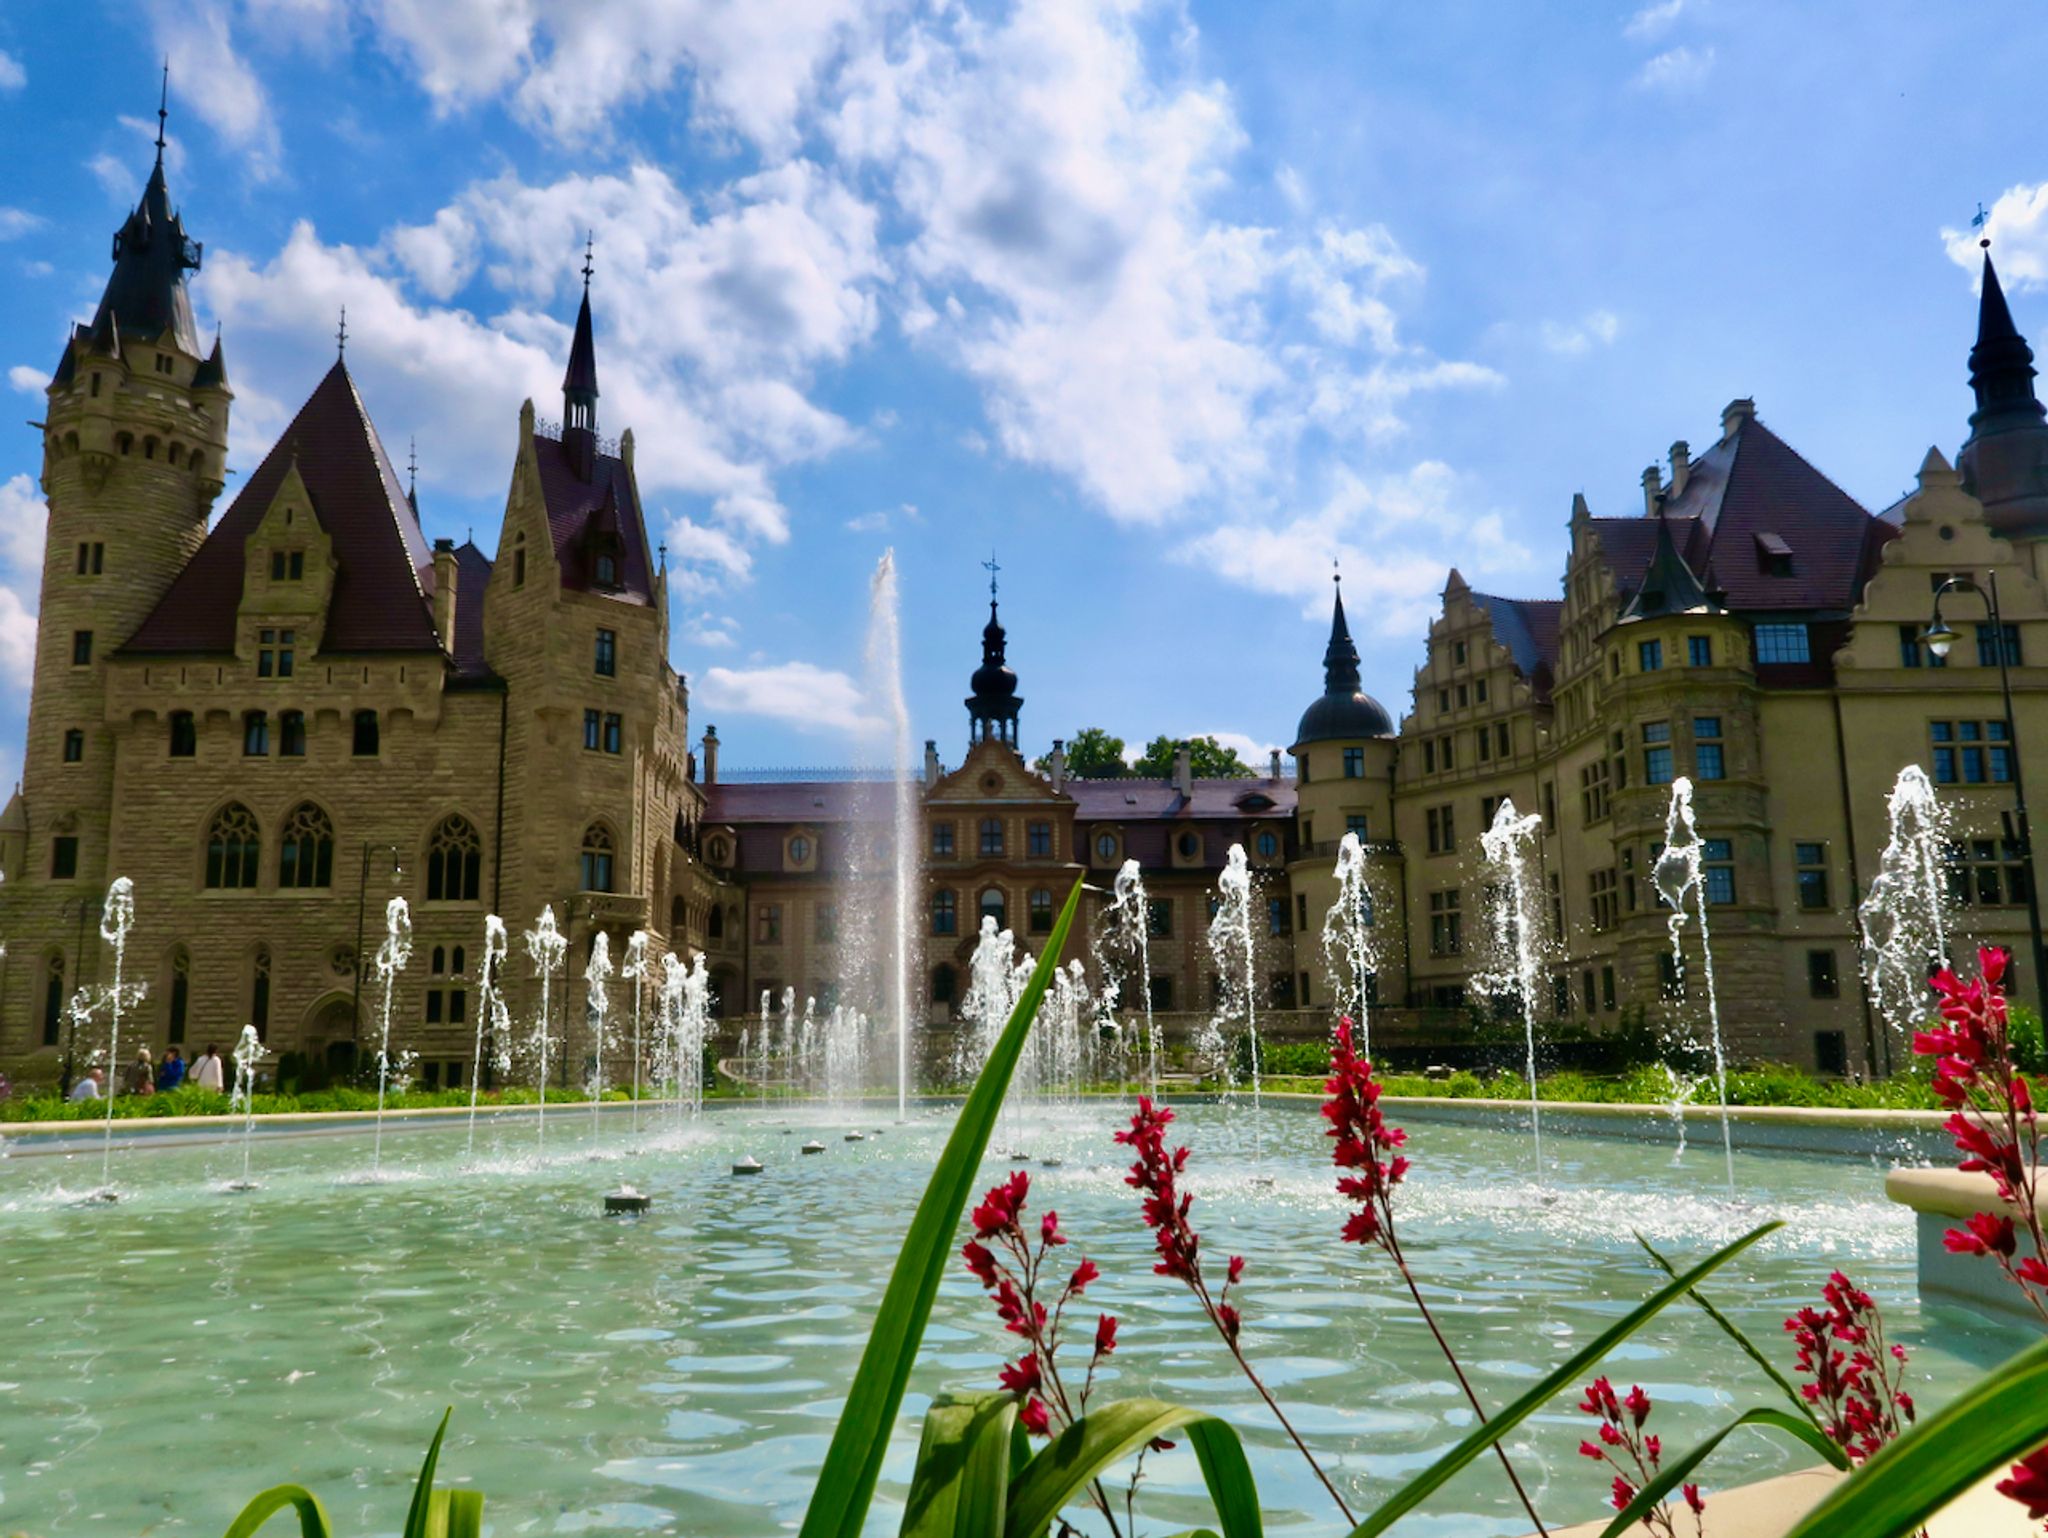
x=458 y=960
x=945 y=919
x=714 y=927
x=305 y=852
x=53 y=998
x=455 y=857
x=259 y=992
x=234 y=844
x=597 y=858
x=440 y=961
x=992 y=906
x=178 y=997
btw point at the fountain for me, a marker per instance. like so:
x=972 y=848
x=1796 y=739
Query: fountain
x=1349 y=955
x=248 y=1053
x=1515 y=964
x=392 y=956
x=597 y=975
x=1231 y=945
x=1904 y=916
x=1127 y=950
x=117 y=917
x=549 y=948
x=885 y=688
x=1677 y=876
x=635 y=972
x=490 y=1007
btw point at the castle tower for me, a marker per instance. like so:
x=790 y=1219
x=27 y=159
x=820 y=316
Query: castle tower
x=2004 y=461
x=134 y=445
x=992 y=707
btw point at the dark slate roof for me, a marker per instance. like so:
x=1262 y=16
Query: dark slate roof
x=605 y=503
x=581 y=375
x=379 y=602
x=472 y=573
x=784 y=801
x=1343 y=710
x=1669 y=586
x=146 y=294
x=1527 y=627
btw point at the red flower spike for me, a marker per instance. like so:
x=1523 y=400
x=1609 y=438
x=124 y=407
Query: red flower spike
x=979 y=1261
x=1024 y=1376
x=1105 y=1334
x=1693 y=1498
x=2028 y=1484
x=1049 y=1229
x=1033 y=1418
x=1624 y=1492
x=1084 y=1273
x=1637 y=1403
x=1236 y=1272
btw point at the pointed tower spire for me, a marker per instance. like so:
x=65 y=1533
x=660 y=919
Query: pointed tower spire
x=1668 y=585
x=163 y=112
x=146 y=295
x=1340 y=657
x=412 y=475
x=579 y=382
x=2004 y=461
x=2001 y=363
x=1344 y=710
x=992 y=707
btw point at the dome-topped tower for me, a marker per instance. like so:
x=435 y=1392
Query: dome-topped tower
x=992 y=707
x=1344 y=709
x=2004 y=462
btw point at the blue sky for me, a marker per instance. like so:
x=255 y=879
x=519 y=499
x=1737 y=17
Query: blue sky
x=1167 y=304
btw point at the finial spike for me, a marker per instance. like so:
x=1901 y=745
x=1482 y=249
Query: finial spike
x=412 y=465
x=991 y=568
x=341 y=335
x=163 y=110
x=589 y=244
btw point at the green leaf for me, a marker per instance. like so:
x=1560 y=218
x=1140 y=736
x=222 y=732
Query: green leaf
x=853 y=1462
x=963 y=1468
x=1080 y=1453
x=312 y=1515
x=1481 y=1437
x=465 y=1517
x=416 y=1517
x=1748 y=1346
x=1997 y=1419
x=1674 y=1473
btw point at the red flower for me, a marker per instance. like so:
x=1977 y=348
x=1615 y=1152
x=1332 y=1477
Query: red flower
x=1105 y=1334
x=1858 y=1390
x=1637 y=1403
x=1624 y=1492
x=1986 y=1235
x=980 y=1261
x=1049 y=1229
x=1084 y=1273
x=1693 y=1498
x=1236 y=1271
x=1363 y=1139
x=1023 y=1377
x=2028 y=1483
x=2034 y=1269
x=1588 y=1450
x=998 y=1210
x=1230 y=1320
x=1034 y=1419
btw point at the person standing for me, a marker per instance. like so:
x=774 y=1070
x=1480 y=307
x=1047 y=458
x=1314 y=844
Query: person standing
x=142 y=1077
x=172 y=1071
x=206 y=1070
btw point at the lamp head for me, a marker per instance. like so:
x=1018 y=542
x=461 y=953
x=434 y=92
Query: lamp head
x=1938 y=638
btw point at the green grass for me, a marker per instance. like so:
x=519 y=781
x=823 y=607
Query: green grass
x=1769 y=1084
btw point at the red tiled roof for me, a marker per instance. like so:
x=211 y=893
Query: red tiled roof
x=379 y=602
x=606 y=500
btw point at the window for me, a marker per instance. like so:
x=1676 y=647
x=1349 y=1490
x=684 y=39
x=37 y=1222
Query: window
x=74 y=746
x=1912 y=654
x=1970 y=752
x=92 y=558
x=1603 y=887
x=945 y=915
x=1446 y=926
x=64 y=857
x=1485 y=744
x=1277 y=917
x=1717 y=869
x=1267 y=844
x=1443 y=838
x=1105 y=847
x=991 y=835
x=519 y=561
x=1831 y=1052
x=1479 y=691
x=1503 y=741
x=1699 y=651
x=607 y=571
x=233 y=846
x=184 y=735
x=1810 y=866
x=1593 y=790
x=1354 y=822
x=597 y=859
x=455 y=858
x=614 y=732
x=1987 y=646
x=1446 y=750
x=1657 y=753
x=1038 y=840
x=1488 y=805
x=1458 y=653
x=1301 y=910
x=942 y=840
x=366 y=734
x=259 y=992
x=1159 y=991
x=291 y=734
x=944 y=982
x=1987 y=872
x=274 y=650
x=287 y=566
x=1707 y=762
x=1354 y=763
x=1464 y=696
x=255 y=734
x=1443 y=701
x=81 y=648
x=606 y=664
x=305 y=850
x=714 y=925
x=1607 y=988
x=1159 y=918
x=180 y=996
x=1550 y=803
x=992 y=906
x=593 y=730
x=1821 y=981
x=1782 y=643
x=1188 y=845
x=1429 y=758
x=1649 y=656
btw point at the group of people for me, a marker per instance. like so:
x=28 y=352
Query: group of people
x=147 y=1077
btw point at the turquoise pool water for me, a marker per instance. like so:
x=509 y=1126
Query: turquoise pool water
x=166 y=1357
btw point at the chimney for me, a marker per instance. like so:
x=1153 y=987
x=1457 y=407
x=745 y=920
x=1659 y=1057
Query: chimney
x=1273 y=766
x=932 y=768
x=1057 y=762
x=710 y=755
x=1681 y=465
x=444 y=593
x=1653 y=488
x=1734 y=414
x=1184 y=771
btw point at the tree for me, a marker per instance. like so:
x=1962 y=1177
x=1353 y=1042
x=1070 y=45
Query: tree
x=1092 y=754
x=1210 y=760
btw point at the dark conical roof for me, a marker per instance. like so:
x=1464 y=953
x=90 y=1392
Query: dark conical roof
x=213 y=373
x=146 y=294
x=2004 y=461
x=1668 y=585
x=580 y=379
x=995 y=695
x=1344 y=710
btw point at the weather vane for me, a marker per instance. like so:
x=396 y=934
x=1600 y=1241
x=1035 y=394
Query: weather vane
x=341 y=335
x=163 y=111
x=991 y=568
x=589 y=243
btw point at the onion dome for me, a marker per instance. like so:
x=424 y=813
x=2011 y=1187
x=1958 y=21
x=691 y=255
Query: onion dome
x=1345 y=710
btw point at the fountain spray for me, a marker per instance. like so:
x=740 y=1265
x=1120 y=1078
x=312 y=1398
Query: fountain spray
x=248 y=1053
x=1130 y=918
x=1679 y=875
x=1904 y=915
x=117 y=918
x=489 y=1007
x=597 y=973
x=635 y=972
x=885 y=686
x=392 y=956
x=549 y=948
x=1230 y=943
x=1348 y=952
x=1515 y=949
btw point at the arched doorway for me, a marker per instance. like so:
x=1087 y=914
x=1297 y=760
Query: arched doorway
x=329 y=1050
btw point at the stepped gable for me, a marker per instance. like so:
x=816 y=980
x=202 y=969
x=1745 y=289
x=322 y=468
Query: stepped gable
x=379 y=601
x=580 y=511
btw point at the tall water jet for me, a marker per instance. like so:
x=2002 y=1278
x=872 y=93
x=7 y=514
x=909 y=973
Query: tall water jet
x=549 y=948
x=489 y=1007
x=392 y=956
x=248 y=1053
x=635 y=972
x=1128 y=935
x=693 y=1031
x=1679 y=876
x=1349 y=956
x=117 y=918
x=597 y=1005
x=1231 y=945
x=1904 y=915
x=1514 y=966
x=885 y=688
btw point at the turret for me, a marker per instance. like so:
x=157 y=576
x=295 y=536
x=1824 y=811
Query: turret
x=992 y=707
x=579 y=388
x=2004 y=462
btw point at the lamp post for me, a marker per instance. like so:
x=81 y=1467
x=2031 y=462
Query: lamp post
x=88 y=907
x=355 y=1000
x=1938 y=639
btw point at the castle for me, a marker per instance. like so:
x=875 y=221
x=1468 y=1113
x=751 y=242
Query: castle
x=276 y=724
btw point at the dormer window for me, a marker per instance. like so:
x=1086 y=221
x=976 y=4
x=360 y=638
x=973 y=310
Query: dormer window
x=274 y=651
x=607 y=570
x=1773 y=556
x=287 y=565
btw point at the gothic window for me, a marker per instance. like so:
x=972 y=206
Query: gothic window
x=597 y=859
x=233 y=846
x=178 y=997
x=305 y=852
x=184 y=735
x=366 y=734
x=455 y=856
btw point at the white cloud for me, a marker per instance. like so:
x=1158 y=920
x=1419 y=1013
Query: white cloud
x=30 y=381
x=214 y=81
x=881 y=519
x=16 y=222
x=1291 y=187
x=798 y=694
x=12 y=76
x=715 y=632
x=1596 y=328
x=1254 y=752
x=23 y=522
x=2017 y=228
x=1652 y=21
x=1676 y=70
x=440 y=256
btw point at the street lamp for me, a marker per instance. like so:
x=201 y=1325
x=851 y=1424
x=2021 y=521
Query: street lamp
x=355 y=1002
x=1938 y=638
x=88 y=908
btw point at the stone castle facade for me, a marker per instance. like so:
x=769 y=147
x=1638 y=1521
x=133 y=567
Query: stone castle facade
x=275 y=724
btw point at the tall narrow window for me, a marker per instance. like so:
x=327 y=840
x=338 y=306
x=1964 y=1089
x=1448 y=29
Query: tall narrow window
x=81 y=648
x=291 y=734
x=1717 y=869
x=945 y=918
x=180 y=996
x=614 y=733
x=1649 y=656
x=519 y=560
x=1040 y=904
x=1699 y=651
x=233 y=846
x=593 y=730
x=606 y=663
x=455 y=857
x=597 y=859
x=366 y=734
x=184 y=735
x=1810 y=861
x=259 y=993
x=74 y=746
x=1354 y=763
x=1657 y=753
x=305 y=851
x=1038 y=840
x=942 y=841
x=991 y=835
x=64 y=857
x=1707 y=760
x=255 y=734
x=53 y=1000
